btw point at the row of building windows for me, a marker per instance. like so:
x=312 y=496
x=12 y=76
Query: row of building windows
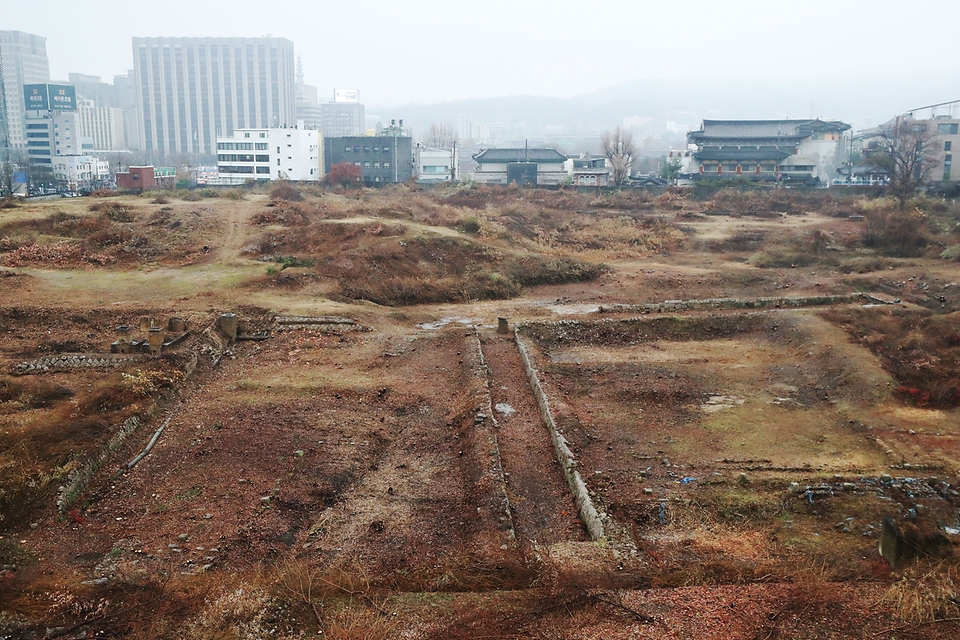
x=376 y=165
x=244 y=169
x=366 y=149
x=242 y=157
x=950 y=129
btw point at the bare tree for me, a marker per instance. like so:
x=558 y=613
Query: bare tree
x=911 y=155
x=440 y=135
x=620 y=150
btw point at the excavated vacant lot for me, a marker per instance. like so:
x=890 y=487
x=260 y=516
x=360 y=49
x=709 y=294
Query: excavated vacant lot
x=369 y=457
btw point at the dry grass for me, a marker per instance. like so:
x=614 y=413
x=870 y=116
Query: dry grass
x=925 y=591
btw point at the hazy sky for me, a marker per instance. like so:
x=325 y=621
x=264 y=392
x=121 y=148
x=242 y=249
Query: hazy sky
x=400 y=52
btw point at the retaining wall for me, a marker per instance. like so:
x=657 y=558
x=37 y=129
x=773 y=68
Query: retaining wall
x=711 y=304
x=76 y=361
x=581 y=496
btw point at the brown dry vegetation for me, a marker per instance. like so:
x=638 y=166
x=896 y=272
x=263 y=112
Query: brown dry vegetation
x=354 y=482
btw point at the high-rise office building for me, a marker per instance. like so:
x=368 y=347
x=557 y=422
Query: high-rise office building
x=24 y=62
x=190 y=90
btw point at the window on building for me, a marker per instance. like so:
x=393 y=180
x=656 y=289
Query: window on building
x=261 y=146
x=386 y=165
x=366 y=165
x=366 y=149
x=950 y=129
x=376 y=165
x=246 y=134
x=386 y=149
x=263 y=135
x=356 y=149
x=948 y=146
x=263 y=158
x=263 y=170
x=376 y=149
x=357 y=164
x=347 y=149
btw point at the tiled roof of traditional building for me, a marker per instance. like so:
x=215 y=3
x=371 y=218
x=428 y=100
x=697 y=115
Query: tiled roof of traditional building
x=519 y=155
x=769 y=129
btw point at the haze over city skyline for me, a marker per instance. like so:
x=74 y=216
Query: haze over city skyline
x=817 y=60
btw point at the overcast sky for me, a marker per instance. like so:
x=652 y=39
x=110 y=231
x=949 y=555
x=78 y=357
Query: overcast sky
x=400 y=52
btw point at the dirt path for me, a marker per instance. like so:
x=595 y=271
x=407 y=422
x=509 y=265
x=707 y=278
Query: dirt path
x=235 y=231
x=543 y=507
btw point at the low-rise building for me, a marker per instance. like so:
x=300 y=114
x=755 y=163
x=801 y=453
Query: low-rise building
x=382 y=159
x=799 y=151
x=589 y=171
x=436 y=165
x=136 y=179
x=520 y=166
x=269 y=154
x=78 y=172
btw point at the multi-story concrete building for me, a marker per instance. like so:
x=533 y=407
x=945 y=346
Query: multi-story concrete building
x=382 y=159
x=269 y=154
x=103 y=126
x=800 y=151
x=50 y=124
x=24 y=62
x=308 y=104
x=192 y=90
x=339 y=119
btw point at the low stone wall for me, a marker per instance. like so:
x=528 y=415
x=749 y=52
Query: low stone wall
x=76 y=361
x=712 y=304
x=78 y=480
x=331 y=324
x=496 y=463
x=581 y=496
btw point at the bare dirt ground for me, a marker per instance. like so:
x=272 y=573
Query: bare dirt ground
x=354 y=479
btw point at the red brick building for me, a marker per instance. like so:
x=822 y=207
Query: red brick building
x=136 y=179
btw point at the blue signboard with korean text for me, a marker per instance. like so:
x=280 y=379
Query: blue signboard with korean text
x=35 y=97
x=49 y=97
x=63 y=97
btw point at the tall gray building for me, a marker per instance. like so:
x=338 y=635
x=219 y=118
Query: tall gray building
x=190 y=90
x=24 y=62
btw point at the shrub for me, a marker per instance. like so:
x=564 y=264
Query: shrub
x=471 y=225
x=951 y=253
x=344 y=174
x=285 y=191
x=161 y=198
x=234 y=194
x=895 y=233
x=115 y=211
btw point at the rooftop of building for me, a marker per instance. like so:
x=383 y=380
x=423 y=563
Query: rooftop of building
x=519 y=155
x=754 y=129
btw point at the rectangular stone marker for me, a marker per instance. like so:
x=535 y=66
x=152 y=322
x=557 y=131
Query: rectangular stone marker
x=890 y=542
x=502 y=326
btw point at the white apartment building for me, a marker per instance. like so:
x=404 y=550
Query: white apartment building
x=270 y=154
x=79 y=171
x=103 y=125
